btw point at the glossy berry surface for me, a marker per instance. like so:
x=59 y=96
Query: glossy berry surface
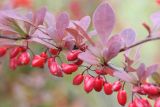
x=108 y=88
x=122 y=97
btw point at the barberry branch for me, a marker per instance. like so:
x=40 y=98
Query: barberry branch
x=28 y=37
x=139 y=43
x=13 y=38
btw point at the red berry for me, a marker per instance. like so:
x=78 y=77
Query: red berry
x=24 y=58
x=132 y=104
x=22 y=49
x=109 y=71
x=78 y=79
x=50 y=60
x=14 y=52
x=73 y=55
x=153 y=90
x=2 y=51
x=44 y=55
x=13 y=63
x=108 y=88
x=55 y=69
x=122 y=97
x=138 y=102
x=69 y=68
x=54 y=51
x=78 y=62
x=150 y=89
x=145 y=102
x=87 y=77
x=100 y=72
x=98 y=84
x=38 y=61
x=157 y=102
x=139 y=90
x=116 y=86
x=89 y=84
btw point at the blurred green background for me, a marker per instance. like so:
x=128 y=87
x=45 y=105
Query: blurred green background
x=27 y=87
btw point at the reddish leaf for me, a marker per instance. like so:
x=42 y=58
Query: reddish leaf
x=128 y=36
x=125 y=77
x=104 y=20
x=88 y=57
x=62 y=21
x=84 y=33
x=151 y=69
x=85 y=22
x=38 y=17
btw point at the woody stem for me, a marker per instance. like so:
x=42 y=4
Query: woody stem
x=139 y=43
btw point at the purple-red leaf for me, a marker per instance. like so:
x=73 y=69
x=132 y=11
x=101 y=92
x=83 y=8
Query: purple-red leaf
x=141 y=71
x=128 y=36
x=125 y=77
x=114 y=45
x=50 y=20
x=85 y=22
x=115 y=39
x=104 y=20
x=113 y=51
x=38 y=17
x=84 y=33
x=151 y=69
x=88 y=57
x=62 y=21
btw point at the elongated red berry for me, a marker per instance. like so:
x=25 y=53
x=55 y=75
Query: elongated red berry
x=38 y=61
x=14 y=52
x=86 y=78
x=122 y=97
x=55 y=69
x=44 y=55
x=132 y=104
x=89 y=84
x=100 y=72
x=108 y=88
x=50 y=60
x=73 y=55
x=109 y=71
x=54 y=51
x=116 y=86
x=3 y=51
x=138 y=102
x=78 y=79
x=145 y=102
x=13 y=63
x=78 y=62
x=22 y=49
x=153 y=90
x=157 y=102
x=24 y=58
x=150 y=89
x=98 y=85
x=69 y=68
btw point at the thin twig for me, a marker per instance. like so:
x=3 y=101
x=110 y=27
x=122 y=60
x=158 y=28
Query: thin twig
x=140 y=42
x=13 y=38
